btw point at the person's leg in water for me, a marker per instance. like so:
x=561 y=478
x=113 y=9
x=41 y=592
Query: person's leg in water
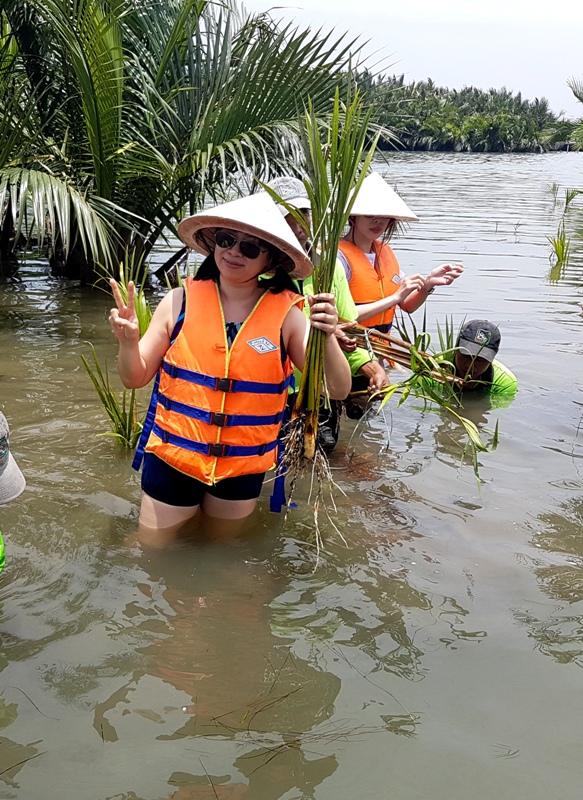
x=228 y=505
x=329 y=425
x=356 y=406
x=171 y=499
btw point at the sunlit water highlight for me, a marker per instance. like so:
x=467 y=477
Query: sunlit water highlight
x=437 y=654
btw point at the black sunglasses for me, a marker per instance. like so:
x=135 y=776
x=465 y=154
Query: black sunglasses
x=248 y=249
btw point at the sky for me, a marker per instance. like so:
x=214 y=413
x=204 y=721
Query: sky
x=527 y=46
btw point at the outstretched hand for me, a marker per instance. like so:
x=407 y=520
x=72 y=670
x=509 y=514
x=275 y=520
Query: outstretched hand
x=323 y=313
x=443 y=275
x=123 y=319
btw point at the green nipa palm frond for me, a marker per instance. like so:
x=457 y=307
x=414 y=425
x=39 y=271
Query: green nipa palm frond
x=42 y=202
x=91 y=34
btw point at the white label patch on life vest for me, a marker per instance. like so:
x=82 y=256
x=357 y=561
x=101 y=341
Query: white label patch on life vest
x=396 y=279
x=262 y=345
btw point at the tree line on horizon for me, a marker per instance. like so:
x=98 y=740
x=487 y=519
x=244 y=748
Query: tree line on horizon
x=425 y=116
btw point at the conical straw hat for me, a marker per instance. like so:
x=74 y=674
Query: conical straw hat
x=12 y=481
x=256 y=215
x=377 y=198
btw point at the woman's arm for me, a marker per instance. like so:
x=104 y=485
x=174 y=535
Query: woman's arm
x=323 y=315
x=139 y=359
x=440 y=276
x=409 y=284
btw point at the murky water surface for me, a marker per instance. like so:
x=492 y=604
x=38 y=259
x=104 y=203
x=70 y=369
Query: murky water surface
x=436 y=654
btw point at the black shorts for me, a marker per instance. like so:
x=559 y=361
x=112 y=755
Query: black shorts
x=168 y=485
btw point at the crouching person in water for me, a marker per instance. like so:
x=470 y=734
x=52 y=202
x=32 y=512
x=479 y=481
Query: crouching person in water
x=224 y=348
x=474 y=362
x=475 y=359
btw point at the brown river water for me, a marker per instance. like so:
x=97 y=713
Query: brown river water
x=436 y=653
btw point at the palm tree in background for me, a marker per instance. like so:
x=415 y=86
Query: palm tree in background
x=118 y=116
x=576 y=86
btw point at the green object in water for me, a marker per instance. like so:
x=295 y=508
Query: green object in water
x=2 y=559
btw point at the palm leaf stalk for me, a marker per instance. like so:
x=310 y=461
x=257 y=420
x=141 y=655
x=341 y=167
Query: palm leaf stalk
x=432 y=365
x=337 y=157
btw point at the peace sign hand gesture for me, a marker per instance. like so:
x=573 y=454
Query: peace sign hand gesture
x=123 y=319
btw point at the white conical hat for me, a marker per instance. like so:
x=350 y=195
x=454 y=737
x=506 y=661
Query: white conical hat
x=12 y=481
x=257 y=215
x=377 y=198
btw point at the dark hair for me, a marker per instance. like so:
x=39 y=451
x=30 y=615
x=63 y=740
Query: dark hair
x=280 y=280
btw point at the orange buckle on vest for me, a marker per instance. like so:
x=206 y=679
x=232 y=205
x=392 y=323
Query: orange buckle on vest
x=217 y=450
x=224 y=384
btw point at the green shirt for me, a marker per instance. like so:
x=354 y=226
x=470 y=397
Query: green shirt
x=500 y=383
x=503 y=381
x=346 y=310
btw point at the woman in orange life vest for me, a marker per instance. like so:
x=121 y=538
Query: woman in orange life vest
x=223 y=377
x=376 y=282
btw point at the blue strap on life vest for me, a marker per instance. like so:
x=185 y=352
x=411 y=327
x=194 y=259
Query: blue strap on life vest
x=225 y=384
x=209 y=449
x=148 y=424
x=218 y=419
x=151 y=413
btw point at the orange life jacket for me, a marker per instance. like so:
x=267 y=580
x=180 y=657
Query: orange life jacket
x=369 y=283
x=219 y=409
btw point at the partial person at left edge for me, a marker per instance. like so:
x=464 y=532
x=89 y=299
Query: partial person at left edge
x=12 y=482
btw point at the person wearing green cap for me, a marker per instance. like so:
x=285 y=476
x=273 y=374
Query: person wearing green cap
x=474 y=362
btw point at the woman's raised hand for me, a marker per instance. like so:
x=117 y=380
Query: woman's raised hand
x=123 y=319
x=323 y=313
x=443 y=275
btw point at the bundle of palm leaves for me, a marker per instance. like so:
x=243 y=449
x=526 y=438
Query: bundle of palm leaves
x=337 y=155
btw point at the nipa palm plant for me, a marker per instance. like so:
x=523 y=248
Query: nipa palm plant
x=121 y=409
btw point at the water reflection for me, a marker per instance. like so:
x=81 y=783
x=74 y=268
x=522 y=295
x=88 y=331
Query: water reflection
x=216 y=672
x=559 y=633
x=248 y=671
x=423 y=432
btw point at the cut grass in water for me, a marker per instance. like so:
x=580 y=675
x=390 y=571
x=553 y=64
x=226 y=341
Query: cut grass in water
x=561 y=245
x=570 y=195
x=120 y=408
